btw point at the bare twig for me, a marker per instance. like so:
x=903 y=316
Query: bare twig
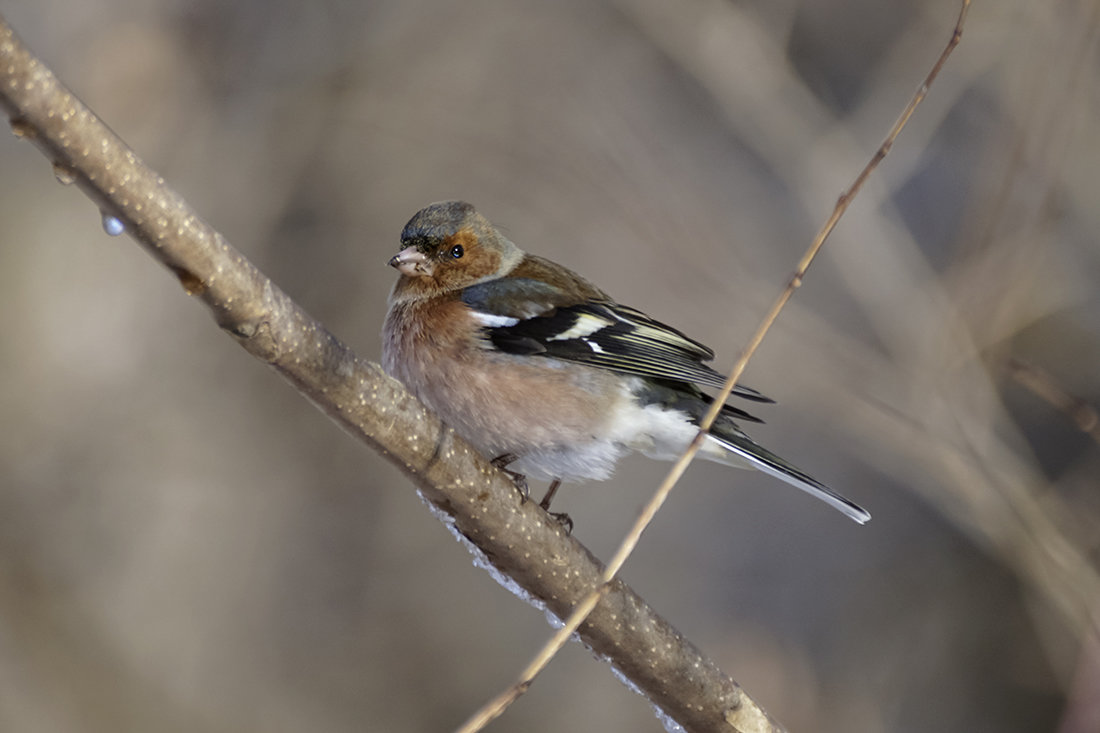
x=1080 y=412
x=500 y=703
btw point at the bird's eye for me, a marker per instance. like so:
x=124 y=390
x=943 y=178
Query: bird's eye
x=457 y=251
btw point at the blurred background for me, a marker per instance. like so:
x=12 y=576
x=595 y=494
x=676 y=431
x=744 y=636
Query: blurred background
x=187 y=545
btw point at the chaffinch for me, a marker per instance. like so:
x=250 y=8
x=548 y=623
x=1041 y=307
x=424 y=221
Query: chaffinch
x=543 y=371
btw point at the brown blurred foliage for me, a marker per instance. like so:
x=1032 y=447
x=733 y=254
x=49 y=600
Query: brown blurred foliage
x=185 y=544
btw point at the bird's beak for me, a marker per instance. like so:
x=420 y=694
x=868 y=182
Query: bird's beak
x=411 y=262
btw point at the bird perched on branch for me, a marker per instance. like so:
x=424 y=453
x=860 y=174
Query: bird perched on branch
x=544 y=372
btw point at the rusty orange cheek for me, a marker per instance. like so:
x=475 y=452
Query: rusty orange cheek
x=477 y=261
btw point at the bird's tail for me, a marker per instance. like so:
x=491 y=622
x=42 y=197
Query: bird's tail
x=732 y=439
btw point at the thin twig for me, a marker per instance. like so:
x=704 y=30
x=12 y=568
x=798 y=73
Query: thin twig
x=493 y=709
x=1079 y=411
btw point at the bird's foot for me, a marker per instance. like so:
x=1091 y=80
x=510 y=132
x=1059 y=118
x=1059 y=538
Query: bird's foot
x=518 y=478
x=501 y=462
x=563 y=519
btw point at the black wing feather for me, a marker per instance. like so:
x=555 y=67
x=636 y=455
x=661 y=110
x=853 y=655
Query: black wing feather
x=601 y=334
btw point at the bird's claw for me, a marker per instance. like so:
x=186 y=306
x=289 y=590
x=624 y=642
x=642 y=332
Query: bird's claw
x=564 y=520
x=518 y=479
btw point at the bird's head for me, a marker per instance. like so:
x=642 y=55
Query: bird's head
x=449 y=246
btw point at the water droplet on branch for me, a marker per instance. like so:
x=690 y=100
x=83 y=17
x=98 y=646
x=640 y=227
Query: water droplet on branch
x=113 y=225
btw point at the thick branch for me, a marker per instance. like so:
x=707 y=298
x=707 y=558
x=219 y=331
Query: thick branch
x=479 y=502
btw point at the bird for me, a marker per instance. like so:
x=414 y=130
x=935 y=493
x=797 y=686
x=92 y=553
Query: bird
x=543 y=372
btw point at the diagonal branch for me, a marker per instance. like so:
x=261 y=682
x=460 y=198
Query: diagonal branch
x=514 y=538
